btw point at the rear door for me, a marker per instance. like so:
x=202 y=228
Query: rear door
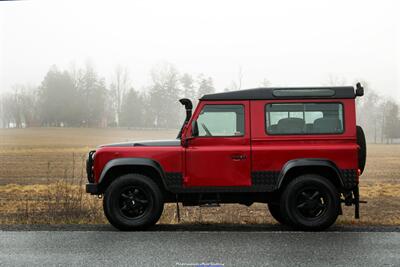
x=218 y=152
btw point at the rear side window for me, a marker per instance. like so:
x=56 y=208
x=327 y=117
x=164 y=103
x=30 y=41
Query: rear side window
x=304 y=118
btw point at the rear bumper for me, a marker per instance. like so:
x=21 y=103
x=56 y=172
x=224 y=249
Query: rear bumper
x=92 y=189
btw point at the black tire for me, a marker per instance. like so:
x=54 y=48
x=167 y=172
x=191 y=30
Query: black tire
x=133 y=201
x=276 y=213
x=362 y=152
x=310 y=202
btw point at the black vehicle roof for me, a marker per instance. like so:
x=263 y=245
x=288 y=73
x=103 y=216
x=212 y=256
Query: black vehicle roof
x=285 y=93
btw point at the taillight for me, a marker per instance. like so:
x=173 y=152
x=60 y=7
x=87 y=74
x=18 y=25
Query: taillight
x=358 y=175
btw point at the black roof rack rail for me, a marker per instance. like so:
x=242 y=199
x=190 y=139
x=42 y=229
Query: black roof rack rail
x=335 y=92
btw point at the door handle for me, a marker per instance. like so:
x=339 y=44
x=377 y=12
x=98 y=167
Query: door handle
x=238 y=157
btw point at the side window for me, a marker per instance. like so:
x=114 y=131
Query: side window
x=304 y=118
x=220 y=120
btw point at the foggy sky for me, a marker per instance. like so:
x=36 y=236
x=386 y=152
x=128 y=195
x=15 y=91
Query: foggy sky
x=294 y=43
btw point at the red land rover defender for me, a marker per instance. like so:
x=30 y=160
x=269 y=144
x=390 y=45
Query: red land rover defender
x=297 y=149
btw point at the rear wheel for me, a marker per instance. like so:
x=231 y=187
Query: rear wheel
x=133 y=201
x=310 y=202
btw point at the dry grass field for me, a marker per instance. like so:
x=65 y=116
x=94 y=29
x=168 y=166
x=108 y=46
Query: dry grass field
x=42 y=178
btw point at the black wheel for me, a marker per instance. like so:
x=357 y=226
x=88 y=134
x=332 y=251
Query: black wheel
x=362 y=152
x=310 y=202
x=276 y=213
x=133 y=201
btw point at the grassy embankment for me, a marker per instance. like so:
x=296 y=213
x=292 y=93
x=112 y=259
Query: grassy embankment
x=42 y=178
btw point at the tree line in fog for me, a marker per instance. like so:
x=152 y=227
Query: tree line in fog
x=379 y=116
x=81 y=98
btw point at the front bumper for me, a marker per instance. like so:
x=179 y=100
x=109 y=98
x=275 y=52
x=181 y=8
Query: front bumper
x=92 y=188
x=89 y=166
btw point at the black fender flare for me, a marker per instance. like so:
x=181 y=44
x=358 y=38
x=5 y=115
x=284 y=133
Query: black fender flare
x=308 y=162
x=132 y=162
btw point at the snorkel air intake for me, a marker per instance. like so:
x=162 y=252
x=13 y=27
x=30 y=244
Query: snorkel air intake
x=188 y=106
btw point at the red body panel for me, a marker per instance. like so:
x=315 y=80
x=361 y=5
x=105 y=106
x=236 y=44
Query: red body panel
x=271 y=152
x=170 y=158
x=207 y=161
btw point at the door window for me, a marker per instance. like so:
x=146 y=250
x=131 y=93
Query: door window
x=220 y=120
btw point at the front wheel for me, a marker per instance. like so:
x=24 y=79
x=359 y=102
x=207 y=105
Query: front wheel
x=133 y=201
x=310 y=202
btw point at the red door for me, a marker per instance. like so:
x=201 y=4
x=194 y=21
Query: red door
x=218 y=151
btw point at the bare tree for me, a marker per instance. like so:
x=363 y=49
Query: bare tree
x=371 y=121
x=265 y=83
x=119 y=87
x=335 y=80
x=2 y=123
x=19 y=107
x=236 y=84
x=391 y=121
x=6 y=109
x=240 y=78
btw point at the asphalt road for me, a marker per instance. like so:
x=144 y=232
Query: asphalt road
x=237 y=246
